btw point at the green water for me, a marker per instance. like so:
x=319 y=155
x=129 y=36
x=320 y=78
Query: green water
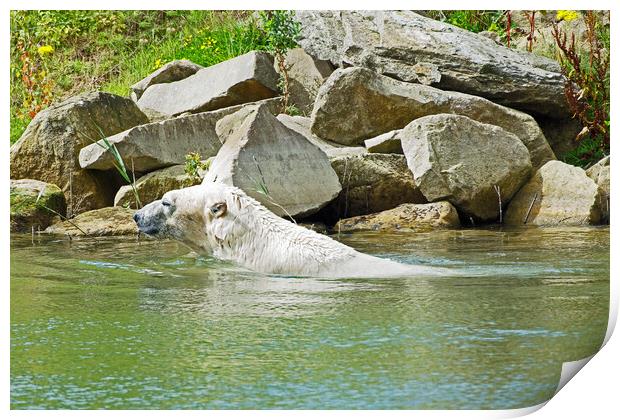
x=114 y=323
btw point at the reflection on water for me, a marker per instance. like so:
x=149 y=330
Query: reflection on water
x=112 y=323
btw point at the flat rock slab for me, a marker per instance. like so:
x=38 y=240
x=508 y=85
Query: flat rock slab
x=460 y=160
x=34 y=204
x=373 y=182
x=153 y=186
x=158 y=145
x=169 y=72
x=302 y=125
x=108 y=221
x=48 y=150
x=355 y=104
x=247 y=78
x=558 y=194
x=407 y=46
x=406 y=217
x=273 y=164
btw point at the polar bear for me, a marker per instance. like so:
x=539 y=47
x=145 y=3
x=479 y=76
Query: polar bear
x=221 y=220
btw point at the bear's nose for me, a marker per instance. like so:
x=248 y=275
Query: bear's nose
x=136 y=217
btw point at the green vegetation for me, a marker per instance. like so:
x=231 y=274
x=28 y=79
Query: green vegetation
x=282 y=35
x=120 y=166
x=193 y=166
x=473 y=20
x=587 y=87
x=58 y=54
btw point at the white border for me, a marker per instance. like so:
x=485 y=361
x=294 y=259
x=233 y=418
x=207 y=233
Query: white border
x=593 y=393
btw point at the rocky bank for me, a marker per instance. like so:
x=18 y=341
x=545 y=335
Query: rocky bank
x=409 y=124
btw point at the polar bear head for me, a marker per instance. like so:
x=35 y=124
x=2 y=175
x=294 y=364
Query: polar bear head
x=202 y=217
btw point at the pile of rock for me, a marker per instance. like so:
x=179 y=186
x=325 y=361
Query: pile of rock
x=427 y=126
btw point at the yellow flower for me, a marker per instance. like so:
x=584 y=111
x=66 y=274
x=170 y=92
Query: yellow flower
x=566 y=15
x=157 y=64
x=45 y=49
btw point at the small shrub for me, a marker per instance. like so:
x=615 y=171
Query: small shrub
x=193 y=166
x=587 y=87
x=292 y=110
x=587 y=152
x=282 y=32
x=33 y=74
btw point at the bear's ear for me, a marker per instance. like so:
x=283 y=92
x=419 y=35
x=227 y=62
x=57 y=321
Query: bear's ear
x=218 y=209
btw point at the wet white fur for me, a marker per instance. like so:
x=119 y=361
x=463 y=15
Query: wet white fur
x=251 y=236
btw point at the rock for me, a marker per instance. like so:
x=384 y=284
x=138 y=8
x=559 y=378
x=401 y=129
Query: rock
x=48 y=150
x=108 y=221
x=600 y=174
x=373 y=182
x=306 y=75
x=35 y=204
x=558 y=194
x=560 y=133
x=158 y=145
x=302 y=126
x=406 y=217
x=153 y=186
x=426 y=73
x=385 y=143
x=493 y=36
x=460 y=160
x=355 y=104
x=169 y=72
x=273 y=164
x=246 y=78
x=155 y=116
x=394 y=42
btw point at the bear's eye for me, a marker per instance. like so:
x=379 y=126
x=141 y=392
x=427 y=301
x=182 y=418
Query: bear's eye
x=165 y=203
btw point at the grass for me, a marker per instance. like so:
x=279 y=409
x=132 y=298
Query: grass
x=206 y=40
x=58 y=54
x=119 y=163
x=120 y=166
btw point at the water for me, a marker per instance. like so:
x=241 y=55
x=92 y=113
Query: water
x=113 y=323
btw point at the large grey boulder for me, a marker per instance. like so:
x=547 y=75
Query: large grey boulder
x=107 y=221
x=355 y=104
x=601 y=175
x=306 y=74
x=406 y=217
x=371 y=183
x=153 y=186
x=463 y=161
x=397 y=43
x=48 y=150
x=169 y=72
x=558 y=194
x=156 y=145
x=272 y=163
x=34 y=204
x=246 y=78
x=302 y=125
